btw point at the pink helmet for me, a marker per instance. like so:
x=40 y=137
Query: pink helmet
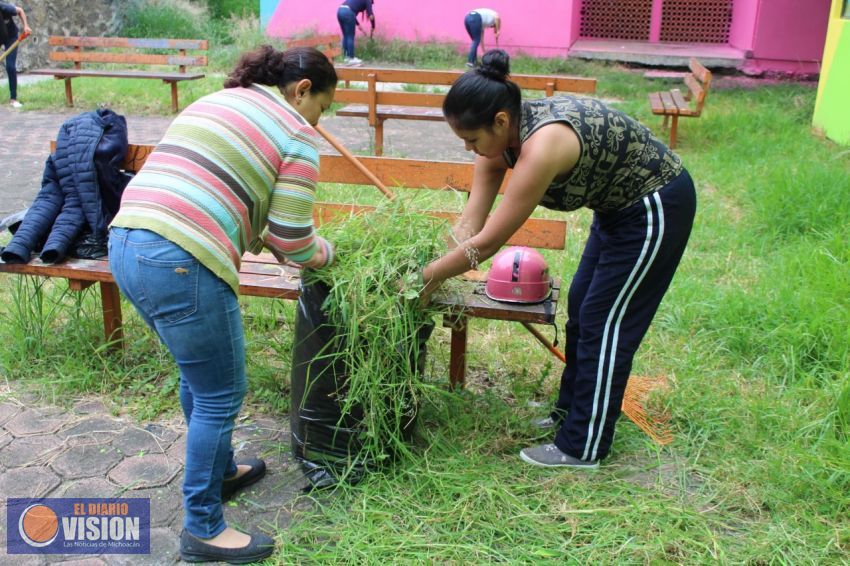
x=518 y=275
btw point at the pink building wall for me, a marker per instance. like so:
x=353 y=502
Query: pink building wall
x=775 y=35
x=780 y=35
x=789 y=35
x=538 y=27
x=744 y=13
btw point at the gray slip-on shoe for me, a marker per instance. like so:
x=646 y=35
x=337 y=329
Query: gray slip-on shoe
x=550 y=456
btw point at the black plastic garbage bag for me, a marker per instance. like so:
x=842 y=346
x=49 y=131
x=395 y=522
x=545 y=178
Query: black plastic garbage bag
x=327 y=442
x=89 y=246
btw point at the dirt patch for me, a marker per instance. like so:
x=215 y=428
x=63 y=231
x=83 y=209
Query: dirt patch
x=727 y=82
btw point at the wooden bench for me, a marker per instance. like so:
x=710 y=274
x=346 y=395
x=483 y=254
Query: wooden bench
x=377 y=104
x=673 y=103
x=125 y=51
x=328 y=44
x=262 y=276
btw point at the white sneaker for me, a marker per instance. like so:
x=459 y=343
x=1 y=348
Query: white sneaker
x=16 y=104
x=354 y=61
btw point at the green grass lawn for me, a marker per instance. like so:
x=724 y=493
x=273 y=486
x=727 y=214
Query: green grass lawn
x=754 y=336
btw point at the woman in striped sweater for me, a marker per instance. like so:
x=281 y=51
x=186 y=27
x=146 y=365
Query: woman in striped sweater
x=236 y=171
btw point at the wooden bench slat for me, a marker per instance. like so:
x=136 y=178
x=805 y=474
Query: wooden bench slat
x=655 y=103
x=390 y=98
x=313 y=41
x=463 y=296
x=670 y=106
x=699 y=71
x=135 y=42
x=63 y=73
x=394 y=112
x=679 y=100
x=328 y=44
x=257 y=285
x=78 y=269
x=562 y=83
x=468 y=297
x=127 y=58
x=397 y=172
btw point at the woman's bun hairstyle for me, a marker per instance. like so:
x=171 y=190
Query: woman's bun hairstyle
x=479 y=94
x=495 y=65
x=271 y=67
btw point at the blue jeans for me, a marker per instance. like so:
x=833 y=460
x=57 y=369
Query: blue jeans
x=11 y=69
x=196 y=315
x=475 y=29
x=347 y=23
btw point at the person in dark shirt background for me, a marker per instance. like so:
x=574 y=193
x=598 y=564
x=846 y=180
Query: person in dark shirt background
x=346 y=15
x=8 y=36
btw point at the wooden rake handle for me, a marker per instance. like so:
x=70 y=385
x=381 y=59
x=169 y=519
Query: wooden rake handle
x=542 y=339
x=356 y=162
x=22 y=37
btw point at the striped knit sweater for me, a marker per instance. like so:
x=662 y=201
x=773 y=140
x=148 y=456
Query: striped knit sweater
x=229 y=165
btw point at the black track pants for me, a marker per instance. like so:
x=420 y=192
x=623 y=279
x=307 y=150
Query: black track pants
x=627 y=265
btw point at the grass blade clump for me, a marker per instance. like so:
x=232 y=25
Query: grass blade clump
x=379 y=322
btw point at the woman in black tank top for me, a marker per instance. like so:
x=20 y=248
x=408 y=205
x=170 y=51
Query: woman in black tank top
x=570 y=152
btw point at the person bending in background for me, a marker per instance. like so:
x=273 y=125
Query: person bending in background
x=346 y=15
x=236 y=170
x=8 y=36
x=475 y=22
x=569 y=152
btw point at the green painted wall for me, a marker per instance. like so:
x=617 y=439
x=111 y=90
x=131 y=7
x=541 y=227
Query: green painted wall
x=832 y=110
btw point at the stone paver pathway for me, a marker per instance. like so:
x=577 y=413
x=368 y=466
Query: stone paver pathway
x=85 y=451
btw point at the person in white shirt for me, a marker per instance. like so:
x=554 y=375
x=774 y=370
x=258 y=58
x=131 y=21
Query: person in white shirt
x=475 y=22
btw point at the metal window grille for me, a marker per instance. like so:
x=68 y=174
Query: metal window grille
x=696 y=21
x=616 y=19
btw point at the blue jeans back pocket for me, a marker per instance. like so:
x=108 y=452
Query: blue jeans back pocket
x=170 y=287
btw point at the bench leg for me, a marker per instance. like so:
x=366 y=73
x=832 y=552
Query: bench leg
x=69 y=97
x=113 y=325
x=379 y=137
x=674 y=123
x=173 y=96
x=457 y=359
x=666 y=121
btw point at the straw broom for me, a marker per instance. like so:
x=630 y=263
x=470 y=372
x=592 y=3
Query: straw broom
x=655 y=423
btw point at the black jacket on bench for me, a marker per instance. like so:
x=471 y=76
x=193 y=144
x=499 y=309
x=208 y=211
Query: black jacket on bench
x=80 y=190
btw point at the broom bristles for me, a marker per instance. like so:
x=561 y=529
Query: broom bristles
x=655 y=422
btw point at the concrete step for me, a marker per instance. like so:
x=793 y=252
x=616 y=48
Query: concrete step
x=658 y=54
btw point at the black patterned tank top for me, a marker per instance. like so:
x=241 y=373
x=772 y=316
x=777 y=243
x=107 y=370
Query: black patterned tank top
x=620 y=162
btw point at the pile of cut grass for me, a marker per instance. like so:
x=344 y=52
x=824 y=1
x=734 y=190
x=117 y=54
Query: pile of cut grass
x=373 y=304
